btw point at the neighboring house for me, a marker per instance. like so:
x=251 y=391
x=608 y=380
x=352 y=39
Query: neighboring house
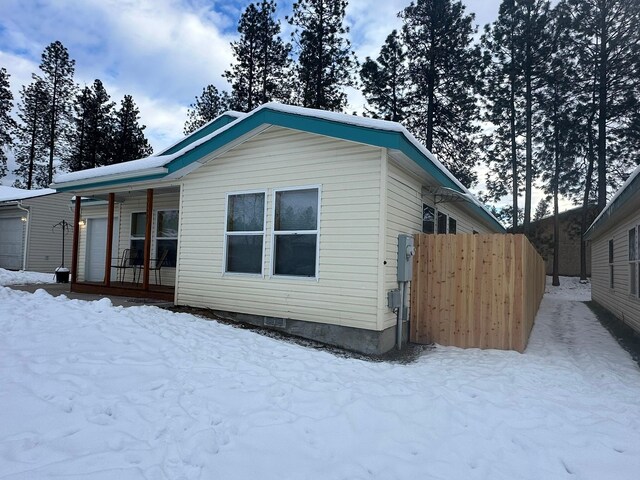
x=284 y=217
x=541 y=236
x=615 y=253
x=28 y=240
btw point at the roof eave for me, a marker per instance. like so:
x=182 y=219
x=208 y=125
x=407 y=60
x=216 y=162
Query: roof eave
x=137 y=175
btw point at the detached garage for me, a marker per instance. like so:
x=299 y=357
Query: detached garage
x=27 y=238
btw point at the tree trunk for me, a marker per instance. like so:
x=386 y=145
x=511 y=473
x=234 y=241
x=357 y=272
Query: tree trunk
x=528 y=141
x=556 y=180
x=512 y=139
x=602 y=109
x=585 y=199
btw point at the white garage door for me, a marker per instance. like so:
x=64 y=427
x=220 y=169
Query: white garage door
x=11 y=243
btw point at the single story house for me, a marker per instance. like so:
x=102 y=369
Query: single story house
x=615 y=254
x=285 y=216
x=541 y=236
x=28 y=239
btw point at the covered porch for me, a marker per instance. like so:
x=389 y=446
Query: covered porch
x=125 y=242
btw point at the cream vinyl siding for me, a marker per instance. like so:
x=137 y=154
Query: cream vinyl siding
x=617 y=300
x=123 y=211
x=44 y=248
x=404 y=215
x=348 y=176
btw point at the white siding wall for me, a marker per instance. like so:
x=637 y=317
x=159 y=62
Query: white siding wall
x=346 y=292
x=618 y=300
x=44 y=250
x=404 y=215
x=124 y=211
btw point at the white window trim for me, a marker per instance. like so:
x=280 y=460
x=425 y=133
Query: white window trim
x=636 y=262
x=299 y=232
x=611 y=260
x=256 y=233
x=133 y=237
x=154 y=232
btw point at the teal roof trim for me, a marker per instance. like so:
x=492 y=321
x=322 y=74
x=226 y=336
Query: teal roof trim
x=107 y=183
x=623 y=197
x=219 y=122
x=391 y=139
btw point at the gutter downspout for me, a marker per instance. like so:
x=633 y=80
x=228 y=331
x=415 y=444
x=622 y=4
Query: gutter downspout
x=26 y=235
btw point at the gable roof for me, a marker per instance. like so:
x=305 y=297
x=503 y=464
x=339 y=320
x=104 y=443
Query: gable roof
x=12 y=194
x=184 y=156
x=627 y=191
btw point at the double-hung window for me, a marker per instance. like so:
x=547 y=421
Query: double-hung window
x=167 y=236
x=244 y=232
x=453 y=225
x=634 y=261
x=136 y=240
x=296 y=220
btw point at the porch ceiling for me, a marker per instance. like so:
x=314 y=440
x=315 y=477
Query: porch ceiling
x=123 y=195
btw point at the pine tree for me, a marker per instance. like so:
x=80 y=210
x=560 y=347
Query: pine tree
x=128 y=135
x=385 y=81
x=533 y=20
x=559 y=136
x=325 y=60
x=502 y=93
x=207 y=107
x=77 y=158
x=90 y=137
x=7 y=123
x=443 y=68
x=57 y=69
x=542 y=210
x=608 y=41
x=32 y=136
x=260 y=72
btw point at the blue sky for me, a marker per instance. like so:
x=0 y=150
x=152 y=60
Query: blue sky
x=163 y=51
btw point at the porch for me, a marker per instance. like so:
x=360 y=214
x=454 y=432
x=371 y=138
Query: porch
x=125 y=243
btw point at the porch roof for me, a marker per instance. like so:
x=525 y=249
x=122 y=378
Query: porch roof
x=223 y=133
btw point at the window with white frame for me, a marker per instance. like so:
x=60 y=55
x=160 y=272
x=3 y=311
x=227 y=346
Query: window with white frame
x=428 y=218
x=611 y=282
x=442 y=222
x=634 y=261
x=296 y=220
x=244 y=232
x=167 y=236
x=136 y=238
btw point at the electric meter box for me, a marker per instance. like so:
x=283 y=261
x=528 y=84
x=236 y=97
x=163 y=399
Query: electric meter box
x=406 y=251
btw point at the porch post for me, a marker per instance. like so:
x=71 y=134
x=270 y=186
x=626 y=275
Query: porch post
x=147 y=240
x=76 y=240
x=108 y=254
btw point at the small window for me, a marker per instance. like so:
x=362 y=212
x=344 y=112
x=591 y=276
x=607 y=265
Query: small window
x=611 y=279
x=244 y=233
x=442 y=223
x=453 y=225
x=428 y=217
x=295 y=232
x=136 y=243
x=634 y=261
x=167 y=236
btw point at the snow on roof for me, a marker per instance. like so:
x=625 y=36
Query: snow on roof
x=228 y=113
x=624 y=186
x=8 y=194
x=155 y=161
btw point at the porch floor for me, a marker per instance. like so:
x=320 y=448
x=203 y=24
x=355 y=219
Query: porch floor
x=56 y=289
x=126 y=289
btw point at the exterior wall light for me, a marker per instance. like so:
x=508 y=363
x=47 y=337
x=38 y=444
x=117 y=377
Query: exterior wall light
x=24 y=219
x=82 y=222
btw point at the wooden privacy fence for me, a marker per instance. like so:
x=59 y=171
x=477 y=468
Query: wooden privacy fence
x=475 y=290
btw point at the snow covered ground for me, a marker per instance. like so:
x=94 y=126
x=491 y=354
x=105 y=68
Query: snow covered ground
x=92 y=391
x=9 y=277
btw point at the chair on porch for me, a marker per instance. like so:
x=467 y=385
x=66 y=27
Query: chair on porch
x=157 y=266
x=126 y=261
